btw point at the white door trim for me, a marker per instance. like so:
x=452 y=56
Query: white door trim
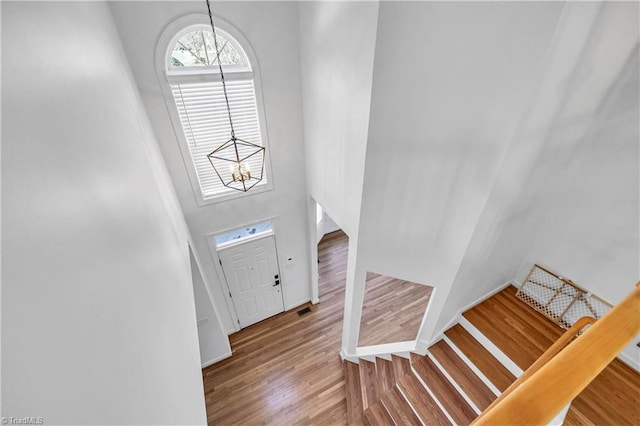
x=266 y=299
x=224 y=287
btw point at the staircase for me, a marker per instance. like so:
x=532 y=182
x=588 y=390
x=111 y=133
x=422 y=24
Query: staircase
x=438 y=388
x=473 y=363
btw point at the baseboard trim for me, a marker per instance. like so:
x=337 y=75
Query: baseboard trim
x=632 y=363
x=432 y=395
x=456 y=318
x=294 y=305
x=491 y=347
x=287 y=308
x=349 y=357
x=217 y=359
x=385 y=351
x=472 y=366
x=454 y=383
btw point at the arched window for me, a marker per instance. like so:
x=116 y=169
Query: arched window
x=191 y=69
x=194 y=50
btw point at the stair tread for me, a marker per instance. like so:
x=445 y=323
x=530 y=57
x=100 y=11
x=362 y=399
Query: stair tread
x=513 y=326
x=368 y=383
x=426 y=408
x=480 y=357
x=377 y=415
x=386 y=380
x=401 y=366
x=464 y=376
x=353 y=393
x=397 y=407
x=536 y=332
x=457 y=407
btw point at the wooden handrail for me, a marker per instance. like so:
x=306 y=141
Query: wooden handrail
x=552 y=351
x=558 y=380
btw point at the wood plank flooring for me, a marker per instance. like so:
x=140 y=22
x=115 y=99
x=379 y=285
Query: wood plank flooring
x=401 y=366
x=386 y=380
x=471 y=384
x=397 y=407
x=457 y=407
x=424 y=405
x=392 y=311
x=377 y=415
x=522 y=333
x=353 y=393
x=481 y=358
x=368 y=383
x=613 y=398
x=287 y=369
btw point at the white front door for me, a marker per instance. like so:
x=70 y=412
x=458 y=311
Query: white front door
x=251 y=270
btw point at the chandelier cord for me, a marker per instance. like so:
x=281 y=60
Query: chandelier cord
x=224 y=85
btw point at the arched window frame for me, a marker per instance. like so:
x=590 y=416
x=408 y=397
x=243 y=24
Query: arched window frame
x=166 y=76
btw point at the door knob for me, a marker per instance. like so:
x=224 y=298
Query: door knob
x=277 y=283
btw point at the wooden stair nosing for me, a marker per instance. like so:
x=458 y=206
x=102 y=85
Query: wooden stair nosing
x=464 y=377
x=455 y=388
x=353 y=393
x=497 y=374
x=398 y=409
x=368 y=383
x=401 y=366
x=421 y=402
x=377 y=415
x=492 y=347
x=540 y=331
x=386 y=380
x=474 y=368
x=454 y=404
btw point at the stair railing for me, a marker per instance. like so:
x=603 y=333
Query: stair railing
x=552 y=351
x=567 y=367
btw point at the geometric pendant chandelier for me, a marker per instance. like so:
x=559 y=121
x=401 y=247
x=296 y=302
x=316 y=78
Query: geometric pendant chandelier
x=230 y=160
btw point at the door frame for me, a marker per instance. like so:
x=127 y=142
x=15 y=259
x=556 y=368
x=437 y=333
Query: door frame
x=264 y=236
x=222 y=280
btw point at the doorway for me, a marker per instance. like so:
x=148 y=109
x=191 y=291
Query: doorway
x=250 y=267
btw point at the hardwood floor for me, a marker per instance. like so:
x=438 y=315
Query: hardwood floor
x=464 y=376
x=481 y=358
x=287 y=370
x=613 y=398
x=392 y=310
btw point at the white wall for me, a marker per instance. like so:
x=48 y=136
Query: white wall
x=567 y=194
x=337 y=41
x=214 y=345
x=590 y=168
x=325 y=226
x=99 y=324
x=584 y=195
x=272 y=31
x=495 y=251
x=451 y=83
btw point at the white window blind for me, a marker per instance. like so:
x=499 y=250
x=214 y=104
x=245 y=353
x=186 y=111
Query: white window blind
x=203 y=114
